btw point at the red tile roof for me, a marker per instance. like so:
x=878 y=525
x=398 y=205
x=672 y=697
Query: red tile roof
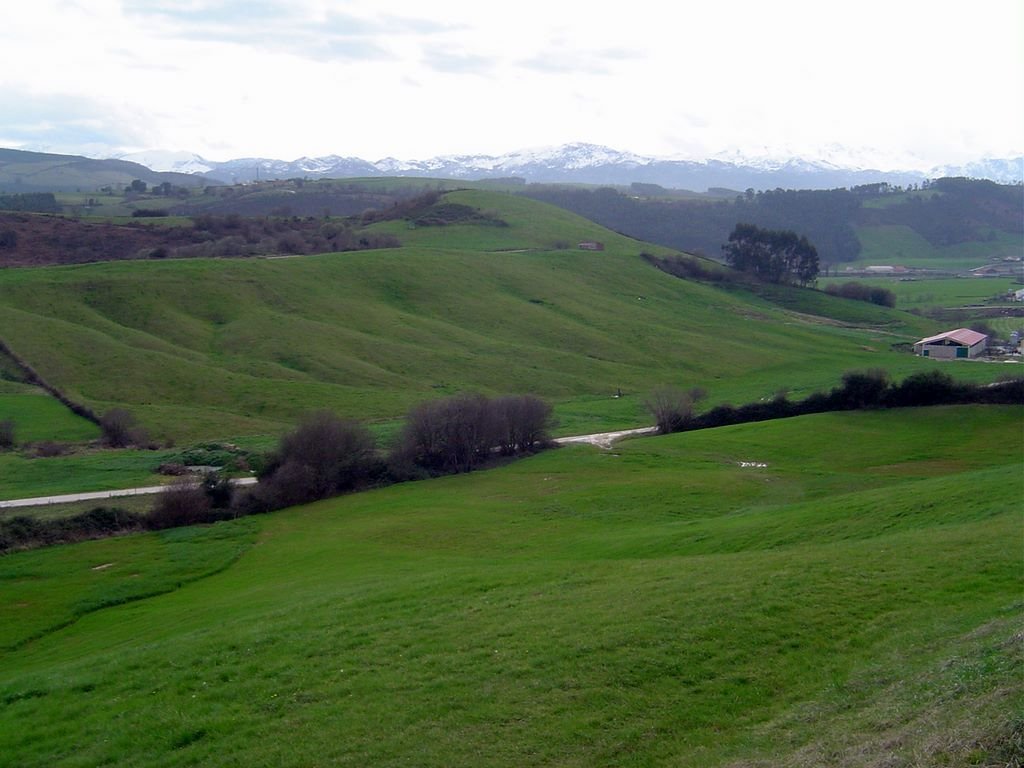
x=964 y=336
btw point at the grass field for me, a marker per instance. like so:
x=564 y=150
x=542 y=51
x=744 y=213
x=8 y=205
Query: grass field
x=855 y=601
x=37 y=416
x=943 y=293
x=206 y=348
x=136 y=504
x=901 y=245
x=82 y=471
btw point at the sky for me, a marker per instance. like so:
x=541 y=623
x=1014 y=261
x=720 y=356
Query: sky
x=902 y=83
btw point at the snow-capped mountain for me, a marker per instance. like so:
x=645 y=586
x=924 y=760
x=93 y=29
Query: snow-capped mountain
x=833 y=166
x=162 y=160
x=1009 y=171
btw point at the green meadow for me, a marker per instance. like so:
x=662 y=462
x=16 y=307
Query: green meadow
x=854 y=598
x=23 y=475
x=943 y=293
x=37 y=416
x=207 y=348
x=898 y=244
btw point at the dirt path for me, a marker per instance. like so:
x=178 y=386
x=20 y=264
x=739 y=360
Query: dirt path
x=600 y=439
x=67 y=498
x=605 y=439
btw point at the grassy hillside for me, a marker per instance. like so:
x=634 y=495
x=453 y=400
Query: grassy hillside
x=29 y=171
x=854 y=601
x=952 y=225
x=230 y=347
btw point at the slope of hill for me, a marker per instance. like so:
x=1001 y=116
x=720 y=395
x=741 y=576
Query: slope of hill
x=854 y=601
x=219 y=347
x=949 y=214
x=31 y=171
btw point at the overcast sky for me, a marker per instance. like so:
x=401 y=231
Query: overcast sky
x=915 y=83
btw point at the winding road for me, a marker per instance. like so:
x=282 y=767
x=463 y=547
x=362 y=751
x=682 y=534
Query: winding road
x=600 y=439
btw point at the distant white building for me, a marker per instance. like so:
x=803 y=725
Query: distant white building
x=961 y=343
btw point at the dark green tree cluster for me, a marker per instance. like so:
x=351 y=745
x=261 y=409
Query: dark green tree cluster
x=700 y=226
x=36 y=202
x=776 y=256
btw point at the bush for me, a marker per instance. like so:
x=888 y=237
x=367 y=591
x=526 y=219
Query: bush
x=460 y=433
x=218 y=490
x=47 y=449
x=860 y=292
x=116 y=426
x=323 y=456
x=24 y=532
x=671 y=409
x=185 y=502
x=7 y=434
x=927 y=388
x=863 y=389
x=450 y=435
x=522 y=423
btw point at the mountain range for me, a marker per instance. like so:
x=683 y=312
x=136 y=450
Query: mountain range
x=588 y=164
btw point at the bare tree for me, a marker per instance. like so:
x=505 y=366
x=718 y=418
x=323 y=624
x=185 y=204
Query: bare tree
x=671 y=408
x=323 y=456
x=185 y=502
x=523 y=423
x=117 y=425
x=459 y=433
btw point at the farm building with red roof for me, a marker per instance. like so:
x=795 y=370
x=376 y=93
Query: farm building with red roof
x=963 y=343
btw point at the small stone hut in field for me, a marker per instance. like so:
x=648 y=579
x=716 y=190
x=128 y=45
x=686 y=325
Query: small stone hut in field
x=961 y=343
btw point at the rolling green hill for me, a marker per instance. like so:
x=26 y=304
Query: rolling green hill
x=950 y=224
x=854 y=601
x=221 y=347
x=22 y=171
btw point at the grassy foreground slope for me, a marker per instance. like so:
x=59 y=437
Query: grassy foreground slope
x=228 y=347
x=856 y=601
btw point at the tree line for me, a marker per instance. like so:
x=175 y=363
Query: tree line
x=944 y=212
x=673 y=409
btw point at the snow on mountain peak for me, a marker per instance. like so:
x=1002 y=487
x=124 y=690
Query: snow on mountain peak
x=164 y=160
x=828 y=165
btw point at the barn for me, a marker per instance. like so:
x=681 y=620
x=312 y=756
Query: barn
x=962 y=343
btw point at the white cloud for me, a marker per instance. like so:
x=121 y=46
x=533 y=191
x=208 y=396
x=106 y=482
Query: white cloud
x=929 y=82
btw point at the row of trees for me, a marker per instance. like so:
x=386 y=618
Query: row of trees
x=326 y=455
x=673 y=408
x=323 y=456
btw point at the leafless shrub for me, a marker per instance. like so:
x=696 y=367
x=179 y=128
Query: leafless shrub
x=522 y=423
x=117 y=425
x=459 y=433
x=323 y=456
x=184 y=502
x=671 y=408
x=47 y=449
